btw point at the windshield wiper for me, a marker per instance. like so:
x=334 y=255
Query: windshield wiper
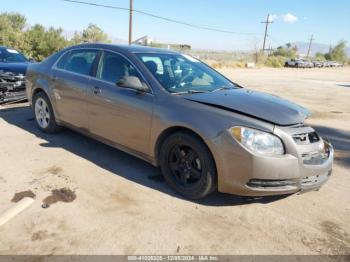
x=190 y=92
x=222 y=88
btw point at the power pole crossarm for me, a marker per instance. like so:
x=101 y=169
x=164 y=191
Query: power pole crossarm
x=308 y=51
x=267 y=22
x=130 y=22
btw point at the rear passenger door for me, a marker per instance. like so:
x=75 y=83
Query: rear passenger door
x=71 y=78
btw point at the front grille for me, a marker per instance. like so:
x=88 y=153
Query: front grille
x=306 y=138
x=313 y=137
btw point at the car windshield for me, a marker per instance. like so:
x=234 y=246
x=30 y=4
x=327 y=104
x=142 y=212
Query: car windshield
x=181 y=74
x=8 y=55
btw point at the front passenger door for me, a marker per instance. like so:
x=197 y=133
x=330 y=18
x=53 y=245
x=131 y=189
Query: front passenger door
x=120 y=115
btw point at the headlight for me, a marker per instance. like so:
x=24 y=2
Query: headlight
x=258 y=141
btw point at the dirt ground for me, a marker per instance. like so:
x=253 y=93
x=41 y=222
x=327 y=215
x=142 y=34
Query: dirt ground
x=120 y=205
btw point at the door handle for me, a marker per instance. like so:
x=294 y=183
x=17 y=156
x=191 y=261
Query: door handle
x=97 y=90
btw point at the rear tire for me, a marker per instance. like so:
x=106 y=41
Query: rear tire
x=188 y=166
x=44 y=115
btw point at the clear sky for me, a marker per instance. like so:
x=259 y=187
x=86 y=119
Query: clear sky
x=294 y=20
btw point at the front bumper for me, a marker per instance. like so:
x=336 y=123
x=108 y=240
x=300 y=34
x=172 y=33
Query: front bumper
x=302 y=169
x=12 y=87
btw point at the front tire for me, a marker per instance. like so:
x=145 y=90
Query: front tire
x=44 y=115
x=188 y=166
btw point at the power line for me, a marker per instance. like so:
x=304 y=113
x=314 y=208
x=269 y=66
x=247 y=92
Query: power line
x=267 y=22
x=160 y=17
x=278 y=43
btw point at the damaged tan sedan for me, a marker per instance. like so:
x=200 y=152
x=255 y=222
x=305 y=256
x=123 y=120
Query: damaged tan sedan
x=205 y=132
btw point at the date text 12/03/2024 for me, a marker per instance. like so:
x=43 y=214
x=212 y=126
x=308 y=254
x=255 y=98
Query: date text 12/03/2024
x=173 y=258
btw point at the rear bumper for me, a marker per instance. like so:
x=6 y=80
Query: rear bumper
x=241 y=172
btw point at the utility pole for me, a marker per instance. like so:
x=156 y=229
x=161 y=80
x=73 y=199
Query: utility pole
x=267 y=22
x=308 y=51
x=130 y=22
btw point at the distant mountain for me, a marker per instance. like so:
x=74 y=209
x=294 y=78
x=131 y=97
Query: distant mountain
x=316 y=47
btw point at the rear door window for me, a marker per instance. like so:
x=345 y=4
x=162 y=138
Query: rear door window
x=78 y=61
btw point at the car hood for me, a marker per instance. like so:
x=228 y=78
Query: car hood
x=255 y=104
x=17 y=68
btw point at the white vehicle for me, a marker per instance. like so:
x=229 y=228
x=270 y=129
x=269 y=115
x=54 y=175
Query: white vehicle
x=318 y=64
x=326 y=64
x=307 y=63
x=335 y=64
x=298 y=63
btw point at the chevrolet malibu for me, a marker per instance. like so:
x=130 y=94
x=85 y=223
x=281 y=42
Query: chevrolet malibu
x=205 y=132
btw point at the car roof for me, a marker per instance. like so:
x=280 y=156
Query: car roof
x=127 y=48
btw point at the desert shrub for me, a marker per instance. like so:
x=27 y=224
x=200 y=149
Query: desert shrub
x=216 y=65
x=258 y=57
x=285 y=52
x=236 y=64
x=337 y=53
x=320 y=57
x=228 y=64
x=275 y=61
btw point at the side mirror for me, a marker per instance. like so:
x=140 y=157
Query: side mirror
x=31 y=60
x=132 y=82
